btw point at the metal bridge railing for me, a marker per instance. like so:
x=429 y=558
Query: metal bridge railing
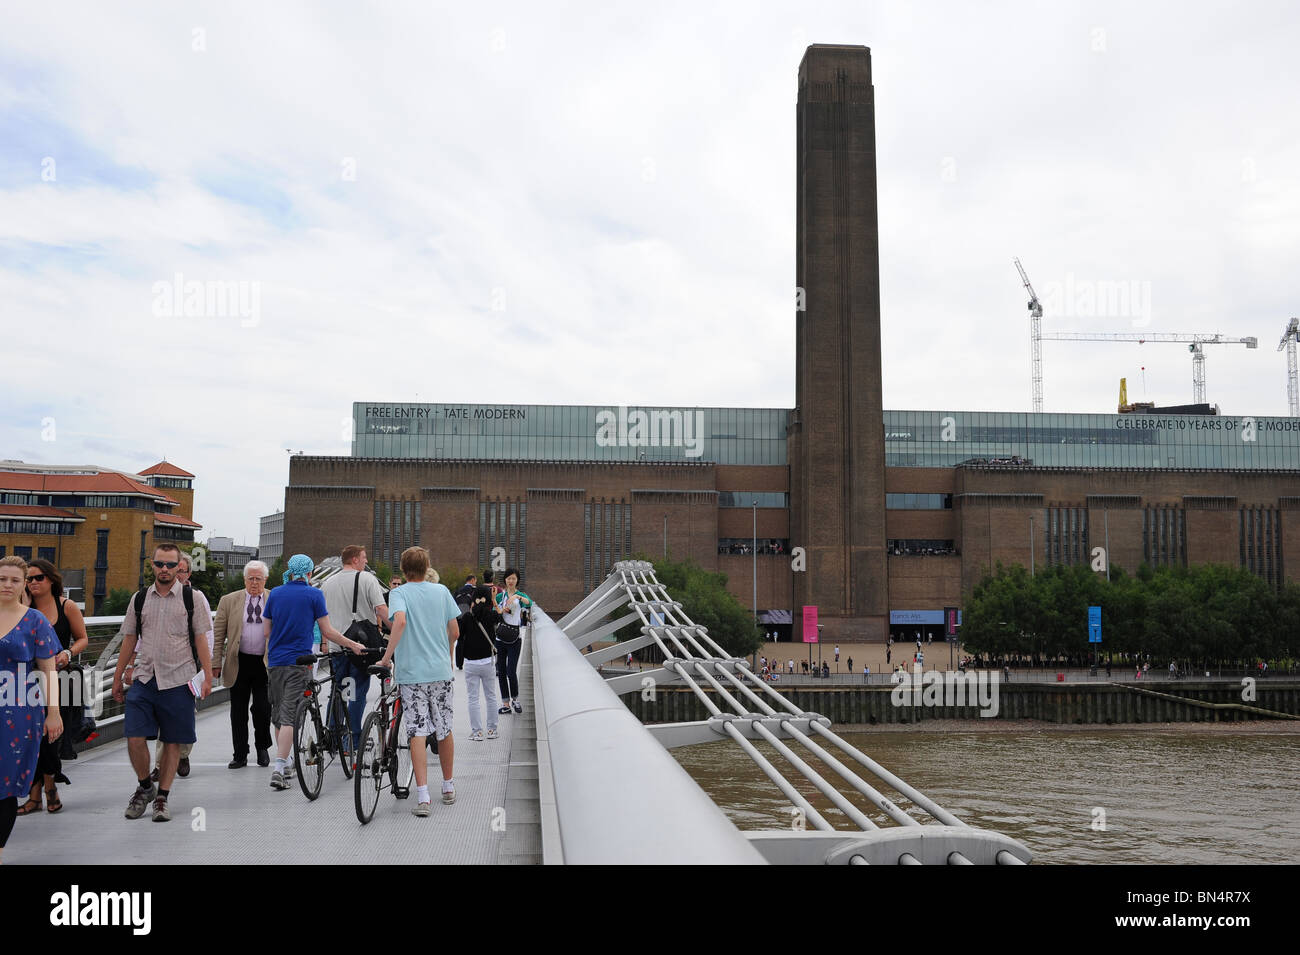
x=745 y=708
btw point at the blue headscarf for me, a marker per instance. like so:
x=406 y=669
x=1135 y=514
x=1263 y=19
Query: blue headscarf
x=300 y=567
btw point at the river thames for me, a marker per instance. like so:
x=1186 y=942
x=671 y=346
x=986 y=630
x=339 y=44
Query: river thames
x=1180 y=793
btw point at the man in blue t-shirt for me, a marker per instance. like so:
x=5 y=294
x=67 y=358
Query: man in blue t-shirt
x=424 y=633
x=292 y=610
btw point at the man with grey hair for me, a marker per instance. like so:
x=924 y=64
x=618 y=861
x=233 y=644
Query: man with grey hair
x=240 y=659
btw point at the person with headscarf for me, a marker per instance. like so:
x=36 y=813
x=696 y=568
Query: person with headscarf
x=291 y=610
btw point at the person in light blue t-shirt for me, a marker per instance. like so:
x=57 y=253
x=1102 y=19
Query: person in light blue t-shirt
x=424 y=635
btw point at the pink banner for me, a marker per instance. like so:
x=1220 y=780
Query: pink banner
x=809 y=624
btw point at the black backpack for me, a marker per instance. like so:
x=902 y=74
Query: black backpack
x=187 y=595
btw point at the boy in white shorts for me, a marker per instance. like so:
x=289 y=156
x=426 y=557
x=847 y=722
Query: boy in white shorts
x=424 y=634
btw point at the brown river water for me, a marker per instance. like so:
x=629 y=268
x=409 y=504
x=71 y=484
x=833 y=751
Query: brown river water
x=1177 y=793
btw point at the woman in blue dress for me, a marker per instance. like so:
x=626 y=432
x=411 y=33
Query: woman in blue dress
x=26 y=637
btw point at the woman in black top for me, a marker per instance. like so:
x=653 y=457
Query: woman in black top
x=475 y=650
x=45 y=589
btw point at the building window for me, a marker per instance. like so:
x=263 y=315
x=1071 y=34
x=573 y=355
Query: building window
x=101 y=549
x=918 y=502
x=910 y=547
x=45 y=553
x=24 y=552
x=745 y=545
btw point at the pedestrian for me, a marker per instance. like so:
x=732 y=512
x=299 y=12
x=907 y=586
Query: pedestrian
x=510 y=603
x=866 y=673
x=354 y=595
x=826 y=670
x=476 y=654
x=789 y=667
x=45 y=590
x=888 y=650
x=290 y=610
x=203 y=616
x=167 y=622
x=850 y=664
x=425 y=630
x=240 y=633
x=27 y=636
x=464 y=594
x=837 y=653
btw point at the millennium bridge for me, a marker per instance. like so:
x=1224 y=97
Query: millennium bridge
x=575 y=779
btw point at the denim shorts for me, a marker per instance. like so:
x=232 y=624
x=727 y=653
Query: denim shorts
x=150 y=712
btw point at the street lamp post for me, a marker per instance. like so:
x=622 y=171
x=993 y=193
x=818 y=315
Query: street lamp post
x=665 y=537
x=754 y=558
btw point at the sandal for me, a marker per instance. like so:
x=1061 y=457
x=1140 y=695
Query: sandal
x=33 y=803
x=52 y=801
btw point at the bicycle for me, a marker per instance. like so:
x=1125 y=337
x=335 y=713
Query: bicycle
x=315 y=746
x=383 y=752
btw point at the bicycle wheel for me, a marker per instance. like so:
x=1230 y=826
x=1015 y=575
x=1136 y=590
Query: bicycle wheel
x=343 y=733
x=308 y=748
x=400 y=770
x=370 y=775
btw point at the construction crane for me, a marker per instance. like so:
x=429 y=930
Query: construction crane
x=1289 y=338
x=1194 y=343
x=1035 y=338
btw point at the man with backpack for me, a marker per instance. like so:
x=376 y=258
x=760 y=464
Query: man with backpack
x=355 y=596
x=171 y=669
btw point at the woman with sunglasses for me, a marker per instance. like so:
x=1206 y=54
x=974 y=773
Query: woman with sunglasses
x=45 y=590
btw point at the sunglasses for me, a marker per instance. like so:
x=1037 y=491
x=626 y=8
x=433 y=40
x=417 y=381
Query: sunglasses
x=35 y=578
x=169 y=564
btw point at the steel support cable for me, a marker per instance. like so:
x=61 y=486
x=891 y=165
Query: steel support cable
x=925 y=802
x=686 y=677
x=853 y=779
x=855 y=814
x=811 y=815
x=878 y=798
x=762 y=684
x=731 y=700
x=739 y=685
x=683 y=652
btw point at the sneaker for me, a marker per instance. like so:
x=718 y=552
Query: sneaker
x=140 y=800
x=515 y=705
x=154 y=775
x=160 y=813
x=183 y=768
x=448 y=797
x=476 y=736
x=503 y=711
x=279 y=781
x=493 y=734
x=421 y=809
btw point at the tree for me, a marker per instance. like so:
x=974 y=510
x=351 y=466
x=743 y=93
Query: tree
x=276 y=576
x=116 y=602
x=452 y=575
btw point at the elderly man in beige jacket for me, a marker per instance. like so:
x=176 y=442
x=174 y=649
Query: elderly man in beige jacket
x=240 y=654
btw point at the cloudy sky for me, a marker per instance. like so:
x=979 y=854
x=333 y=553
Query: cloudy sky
x=606 y=191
